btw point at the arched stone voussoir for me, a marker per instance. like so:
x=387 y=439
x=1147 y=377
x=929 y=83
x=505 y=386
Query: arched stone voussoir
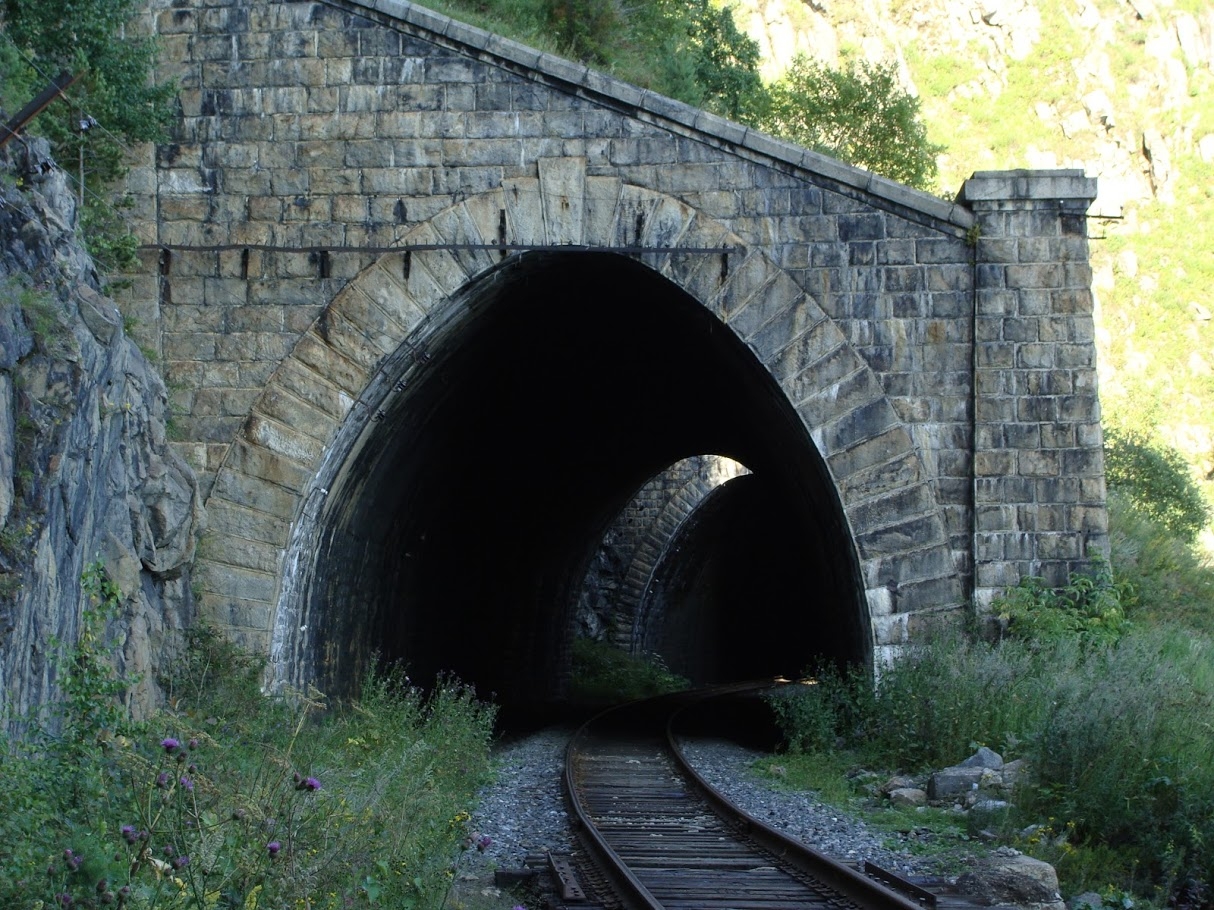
x=524 y=211
x=562 y=199
x=469 y=227
x=778 y=299
x=312 y=352
x=343 y=327
x=742 y=277
x=429 y=276
x=600 y=207
x=701 y=265
x=387 y=292
x=653 y=222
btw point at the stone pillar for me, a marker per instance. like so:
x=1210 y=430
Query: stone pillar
x=1039 y=490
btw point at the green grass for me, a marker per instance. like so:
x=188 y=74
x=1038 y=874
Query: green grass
x=233 y=799
x=837 y=778
x=1117 y=736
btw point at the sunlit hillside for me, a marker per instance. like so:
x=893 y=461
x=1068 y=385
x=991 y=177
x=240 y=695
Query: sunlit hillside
x=1121 y=88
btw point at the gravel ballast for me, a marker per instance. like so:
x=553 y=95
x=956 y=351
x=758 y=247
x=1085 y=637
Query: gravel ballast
x=524 y=813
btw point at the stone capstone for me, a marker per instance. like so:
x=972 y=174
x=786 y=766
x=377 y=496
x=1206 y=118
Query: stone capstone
x=955 y=782
x=984 y=758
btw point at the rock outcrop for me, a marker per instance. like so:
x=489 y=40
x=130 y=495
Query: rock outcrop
x=86 y=470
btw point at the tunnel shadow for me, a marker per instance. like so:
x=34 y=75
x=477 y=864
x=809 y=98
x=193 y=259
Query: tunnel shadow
x=455 y=539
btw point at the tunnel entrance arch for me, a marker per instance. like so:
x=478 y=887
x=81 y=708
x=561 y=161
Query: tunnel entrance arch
x=316 y=435
x=457 y=532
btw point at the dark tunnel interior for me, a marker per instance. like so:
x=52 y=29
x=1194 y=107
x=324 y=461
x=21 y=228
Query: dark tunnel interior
x=738 y=594
x=456 y=539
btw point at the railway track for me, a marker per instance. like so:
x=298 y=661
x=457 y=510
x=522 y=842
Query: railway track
x=664 y=838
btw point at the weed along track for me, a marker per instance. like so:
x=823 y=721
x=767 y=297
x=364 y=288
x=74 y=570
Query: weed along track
x=664 y=838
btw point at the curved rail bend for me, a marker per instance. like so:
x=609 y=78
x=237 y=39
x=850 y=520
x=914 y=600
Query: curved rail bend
x=667 y=839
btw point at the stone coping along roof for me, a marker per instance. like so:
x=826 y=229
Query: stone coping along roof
x=588 y=81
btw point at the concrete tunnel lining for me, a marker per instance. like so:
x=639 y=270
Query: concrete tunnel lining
x=456 y=537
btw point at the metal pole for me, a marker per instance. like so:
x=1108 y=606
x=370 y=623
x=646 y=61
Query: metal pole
x=35 y=107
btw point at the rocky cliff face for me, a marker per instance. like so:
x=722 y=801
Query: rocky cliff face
x=1129 y=73
x=86 y=472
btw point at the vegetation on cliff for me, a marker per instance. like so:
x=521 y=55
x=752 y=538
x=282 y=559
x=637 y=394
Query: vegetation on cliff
x=111 y=105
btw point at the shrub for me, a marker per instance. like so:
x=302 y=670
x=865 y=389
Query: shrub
x=1157 y=480
x=113 y=102
x=1089 y=605
x=1171 y=582
x=858 y=113
x=950 y=695
x=584 y=27
x=1116 y=732
x=825 y=709
x=601 y=671
x=1121 y=753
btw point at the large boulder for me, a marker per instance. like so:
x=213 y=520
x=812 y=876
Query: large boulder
x=1010 y=877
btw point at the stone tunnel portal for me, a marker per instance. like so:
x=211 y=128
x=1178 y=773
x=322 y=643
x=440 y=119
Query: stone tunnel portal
x=456 y=537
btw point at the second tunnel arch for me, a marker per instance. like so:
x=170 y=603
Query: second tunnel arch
x=349 y=362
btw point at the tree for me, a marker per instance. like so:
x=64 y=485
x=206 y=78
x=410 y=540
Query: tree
x=1157 y=480
x=704 y=58
x=726 y=62
x=585 y=27
x=858 y=113
x=112 y=103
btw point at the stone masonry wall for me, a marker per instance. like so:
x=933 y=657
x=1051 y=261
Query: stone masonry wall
x=317 y=136
x=1039 y=494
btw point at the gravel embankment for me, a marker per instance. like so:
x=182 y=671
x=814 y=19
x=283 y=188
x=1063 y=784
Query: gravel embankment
x=523 y=812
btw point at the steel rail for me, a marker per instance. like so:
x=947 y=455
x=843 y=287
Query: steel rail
x=636 y=800
x=847 y=880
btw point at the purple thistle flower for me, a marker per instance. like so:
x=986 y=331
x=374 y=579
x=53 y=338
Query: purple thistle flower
x=181 y=862
x=273 y=847
x=170 y=744
x=311 y=784
x=483 y=842
x=129 y=834
x=193 y=743
x=187 y=783
x=162 y=780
